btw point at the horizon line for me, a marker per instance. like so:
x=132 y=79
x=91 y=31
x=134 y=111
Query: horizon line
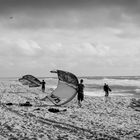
x=77 y=76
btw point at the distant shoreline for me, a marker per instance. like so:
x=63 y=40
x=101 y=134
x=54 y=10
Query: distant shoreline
x=125 y=76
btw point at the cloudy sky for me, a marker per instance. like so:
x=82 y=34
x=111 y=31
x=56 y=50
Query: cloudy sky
x=86 y=37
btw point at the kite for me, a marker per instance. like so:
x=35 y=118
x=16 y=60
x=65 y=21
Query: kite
x=66 y=88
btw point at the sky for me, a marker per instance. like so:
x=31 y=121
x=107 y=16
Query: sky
x=85 y=37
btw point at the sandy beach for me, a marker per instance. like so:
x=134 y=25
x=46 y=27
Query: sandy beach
x=50 y=50
x=95 y=120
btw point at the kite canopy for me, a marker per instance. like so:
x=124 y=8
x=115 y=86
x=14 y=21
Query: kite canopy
x=67 y=77
x=30 y=80
x=66 y=88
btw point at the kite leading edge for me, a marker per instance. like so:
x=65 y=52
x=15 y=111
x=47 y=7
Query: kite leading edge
x=66 y=88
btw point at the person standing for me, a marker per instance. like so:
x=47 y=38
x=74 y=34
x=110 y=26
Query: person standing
x=106 y=89
x=80 y=92
x=43 y=85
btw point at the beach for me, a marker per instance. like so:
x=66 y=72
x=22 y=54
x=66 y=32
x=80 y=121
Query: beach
x=53 y=51
x=97 y=119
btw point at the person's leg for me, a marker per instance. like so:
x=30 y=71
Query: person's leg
x=79 y=103
x=106 y=93
x=105 y=99
x=106 y=96
x=81 y=99
x=43 y=89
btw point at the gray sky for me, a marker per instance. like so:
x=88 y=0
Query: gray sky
x=86 y=37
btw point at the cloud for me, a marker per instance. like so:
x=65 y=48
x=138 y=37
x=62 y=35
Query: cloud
x=95 y=49
x=29 y=47
x=85 y=56
x=91 y=36
x=64 y=14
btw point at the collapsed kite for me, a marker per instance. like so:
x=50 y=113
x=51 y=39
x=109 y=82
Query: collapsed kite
x=66 y=88
x=30 y=80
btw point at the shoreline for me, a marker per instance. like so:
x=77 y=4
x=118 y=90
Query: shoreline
x=102 y=94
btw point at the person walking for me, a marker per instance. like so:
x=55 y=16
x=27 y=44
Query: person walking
x=106 y=89
x=80 y=91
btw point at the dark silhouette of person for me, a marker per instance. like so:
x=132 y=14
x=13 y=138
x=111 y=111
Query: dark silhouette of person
x=80 y=92
x=106 y=89
x=43 y=85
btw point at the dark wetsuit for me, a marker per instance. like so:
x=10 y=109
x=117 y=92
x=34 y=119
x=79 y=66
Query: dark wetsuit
x=106 y=89
x=80 y=92
x=43 y=86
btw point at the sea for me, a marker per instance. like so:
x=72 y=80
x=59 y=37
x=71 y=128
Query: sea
x=120 y=85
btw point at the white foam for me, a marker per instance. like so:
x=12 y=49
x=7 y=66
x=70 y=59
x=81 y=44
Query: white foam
x=137 y=90
x=100 y=93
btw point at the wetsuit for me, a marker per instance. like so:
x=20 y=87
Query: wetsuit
x=43 y=86
x=80 y=92
x=106 y=89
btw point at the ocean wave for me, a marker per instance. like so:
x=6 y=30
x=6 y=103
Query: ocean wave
x=120 y=82
x=137 y=90
x=112 y=77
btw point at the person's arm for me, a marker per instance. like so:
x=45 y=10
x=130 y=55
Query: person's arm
x=109 y=89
